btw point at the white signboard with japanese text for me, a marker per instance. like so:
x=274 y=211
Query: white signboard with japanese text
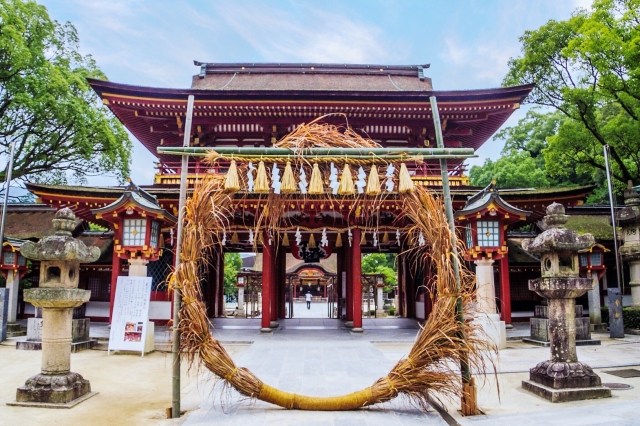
x=130 y=321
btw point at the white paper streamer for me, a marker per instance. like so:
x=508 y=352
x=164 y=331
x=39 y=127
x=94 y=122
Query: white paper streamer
x=298 y=237
x=275 y=180
x=303 y=181
x=333 y=180
x=389 y=175
x=250 y=177
x=361 y=183
x=324 y=241
x=250 y=236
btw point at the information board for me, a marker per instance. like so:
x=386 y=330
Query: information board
x=129 y=324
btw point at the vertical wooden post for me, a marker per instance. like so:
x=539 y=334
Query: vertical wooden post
x=282 y=282
x=505 y=290
x=267 y=284
x=469 y=401
x=339 y=283
x=115 y=271
x=177 y=295
x=356 y=266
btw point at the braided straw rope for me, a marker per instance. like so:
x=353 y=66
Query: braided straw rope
x=430 y=368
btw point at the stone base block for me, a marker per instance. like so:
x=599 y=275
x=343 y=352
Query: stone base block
x=79 y=329
x=357 y=330
x=564 y=375
x=37 y=346
x=51 y=405
x=266 y=330
x=15 y=330
x=546 y=344
x=566 y=395
x=495 y=329
x=83 y=346
x=53 y=389
x=348 y=324
x=598 y=328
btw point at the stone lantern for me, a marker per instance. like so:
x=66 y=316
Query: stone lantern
x=485 y=217
x=137 y=221
x=561 y=378
x=60 y=256
x=13 y=266
x=241 y=284
x=629 y=219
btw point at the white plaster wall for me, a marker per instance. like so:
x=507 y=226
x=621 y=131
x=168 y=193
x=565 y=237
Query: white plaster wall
x=160 y=310
x=97 y=309
x=29 y=308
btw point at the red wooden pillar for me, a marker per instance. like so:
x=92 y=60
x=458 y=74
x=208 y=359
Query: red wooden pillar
x=338 y=284
x=220 y=281
x=115 y=271
x=410 y=295
x=275 y=290
x=401 y=286
x=267 y=283
x=356 y=273
x=349 y=283
x=505 y=290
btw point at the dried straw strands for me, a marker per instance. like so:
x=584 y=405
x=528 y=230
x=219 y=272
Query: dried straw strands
x=430 y=366
x=441 y=345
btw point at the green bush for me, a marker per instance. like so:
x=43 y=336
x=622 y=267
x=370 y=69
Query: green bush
x=630 y=317
x=392 y=311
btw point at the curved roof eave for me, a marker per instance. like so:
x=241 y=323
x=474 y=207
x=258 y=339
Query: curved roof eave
x=101 y=87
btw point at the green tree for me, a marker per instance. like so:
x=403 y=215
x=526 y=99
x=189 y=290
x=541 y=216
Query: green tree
x=588 y=69
x=381 y=263
x=524 y=161
x=60 y=127
x=232 y=264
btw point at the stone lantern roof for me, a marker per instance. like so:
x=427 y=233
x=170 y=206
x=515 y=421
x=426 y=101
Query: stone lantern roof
x=61 y=245
x=631 y=212
x=557 y=238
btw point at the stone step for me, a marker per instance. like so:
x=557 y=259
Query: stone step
x=37 y=346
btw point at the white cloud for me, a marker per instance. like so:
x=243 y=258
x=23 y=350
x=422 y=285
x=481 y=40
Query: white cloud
x=318 y=36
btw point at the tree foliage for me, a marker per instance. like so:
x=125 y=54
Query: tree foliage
x=60 y=127
x=381 y=263
x=588 y=69
x=526 y=159
x=232 y=264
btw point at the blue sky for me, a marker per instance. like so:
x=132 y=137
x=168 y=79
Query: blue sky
x=153 y=43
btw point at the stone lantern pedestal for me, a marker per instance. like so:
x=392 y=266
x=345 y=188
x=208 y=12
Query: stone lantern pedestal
x=629 y=219
x=562 y=378
x=60 y=256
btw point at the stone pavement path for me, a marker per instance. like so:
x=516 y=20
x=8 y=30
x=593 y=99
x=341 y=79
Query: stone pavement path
x=311 y=367
x=614 y=413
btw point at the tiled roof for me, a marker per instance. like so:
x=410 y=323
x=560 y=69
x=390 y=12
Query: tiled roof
x=315 y=77
x=31 y=223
